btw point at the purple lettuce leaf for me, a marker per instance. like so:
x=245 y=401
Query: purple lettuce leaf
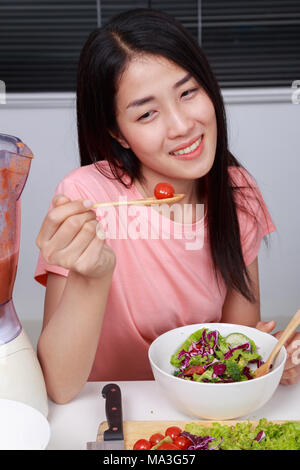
x=244 y=347
x=261 y=435
x=200 y=442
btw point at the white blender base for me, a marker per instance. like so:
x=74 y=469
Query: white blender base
x=21 y=377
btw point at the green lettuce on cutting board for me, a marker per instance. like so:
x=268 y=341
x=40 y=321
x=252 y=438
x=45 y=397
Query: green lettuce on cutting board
x=283 y=436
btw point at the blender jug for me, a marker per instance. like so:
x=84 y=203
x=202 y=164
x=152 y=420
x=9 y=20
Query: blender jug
x=21 y=376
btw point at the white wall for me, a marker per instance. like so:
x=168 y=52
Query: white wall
x=263 y=135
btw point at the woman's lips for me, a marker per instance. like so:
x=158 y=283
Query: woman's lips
x=190 y=156
x=186 y=144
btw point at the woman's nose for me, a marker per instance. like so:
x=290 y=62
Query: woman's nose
x=178 y=123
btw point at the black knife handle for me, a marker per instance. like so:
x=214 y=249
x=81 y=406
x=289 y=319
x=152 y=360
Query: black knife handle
x=113 y=409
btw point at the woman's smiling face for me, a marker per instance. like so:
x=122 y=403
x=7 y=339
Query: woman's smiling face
x=160 y=108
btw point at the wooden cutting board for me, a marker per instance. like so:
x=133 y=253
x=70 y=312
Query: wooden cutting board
x=135 y=430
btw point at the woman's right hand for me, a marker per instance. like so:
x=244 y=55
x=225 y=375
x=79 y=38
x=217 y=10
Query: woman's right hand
x=71 y=237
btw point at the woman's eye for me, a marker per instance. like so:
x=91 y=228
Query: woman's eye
x=189 y=92
x=145 y=116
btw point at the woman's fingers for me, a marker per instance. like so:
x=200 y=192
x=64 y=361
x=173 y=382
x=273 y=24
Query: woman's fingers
x=291 y=373
x=64 y=251
x=58 y=214
x=96 y=259
x=69 y=229
x=59 y=200
x=291 y=376
x=292 y=346
x=266 y=327
x=72 y=238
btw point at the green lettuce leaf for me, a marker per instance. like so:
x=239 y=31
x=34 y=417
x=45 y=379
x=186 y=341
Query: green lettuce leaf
x=191 y=339
x=241 y=436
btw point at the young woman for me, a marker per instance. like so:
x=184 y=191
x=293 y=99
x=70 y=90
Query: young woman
x=149 y=110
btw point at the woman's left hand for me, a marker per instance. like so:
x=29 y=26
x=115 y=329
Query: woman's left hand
x=291 y=373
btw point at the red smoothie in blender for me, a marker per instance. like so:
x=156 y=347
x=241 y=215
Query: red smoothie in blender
x=13 y=175
x=8 y=270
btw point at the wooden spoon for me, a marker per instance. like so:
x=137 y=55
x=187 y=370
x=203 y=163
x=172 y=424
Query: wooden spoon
x=140 y=202
x=292 y=325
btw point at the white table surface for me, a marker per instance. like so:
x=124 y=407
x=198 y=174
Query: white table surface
x=76 y=423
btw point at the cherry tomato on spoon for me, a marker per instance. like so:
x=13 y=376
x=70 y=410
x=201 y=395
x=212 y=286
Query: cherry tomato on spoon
x=163 y=191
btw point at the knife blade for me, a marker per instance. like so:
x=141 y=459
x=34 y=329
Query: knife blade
x=113 y=436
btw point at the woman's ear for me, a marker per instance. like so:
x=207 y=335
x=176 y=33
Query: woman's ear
x=122 y=141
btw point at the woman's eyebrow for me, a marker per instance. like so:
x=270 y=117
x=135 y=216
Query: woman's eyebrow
x=142 y=101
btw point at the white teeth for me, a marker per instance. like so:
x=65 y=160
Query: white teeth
x=188 y=149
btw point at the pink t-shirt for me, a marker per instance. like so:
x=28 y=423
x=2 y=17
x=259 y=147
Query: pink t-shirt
x=164 y=276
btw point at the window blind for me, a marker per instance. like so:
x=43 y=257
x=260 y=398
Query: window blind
x=252 y=43
x=249 y=43
x=40 y=42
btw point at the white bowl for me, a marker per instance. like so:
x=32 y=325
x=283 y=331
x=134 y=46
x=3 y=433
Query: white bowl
x=214 y=400
x=22 y=427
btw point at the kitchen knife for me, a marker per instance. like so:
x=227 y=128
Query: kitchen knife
x=113 y=436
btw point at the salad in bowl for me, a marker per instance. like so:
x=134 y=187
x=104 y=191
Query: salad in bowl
x=207 y=369
x=207 y=356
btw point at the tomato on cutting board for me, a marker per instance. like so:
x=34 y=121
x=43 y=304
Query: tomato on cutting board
x=142 y=444
x=156 y=438
x=173 y=431
x=182 y=442
x=172 y=440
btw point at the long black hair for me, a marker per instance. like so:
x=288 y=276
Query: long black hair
x=103 y=59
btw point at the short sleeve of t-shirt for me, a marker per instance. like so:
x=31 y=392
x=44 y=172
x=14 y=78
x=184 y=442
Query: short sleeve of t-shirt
x=74 y=191
x=254 y=218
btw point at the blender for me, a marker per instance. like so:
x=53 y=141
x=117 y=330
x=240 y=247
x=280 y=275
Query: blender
x=21 y=377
